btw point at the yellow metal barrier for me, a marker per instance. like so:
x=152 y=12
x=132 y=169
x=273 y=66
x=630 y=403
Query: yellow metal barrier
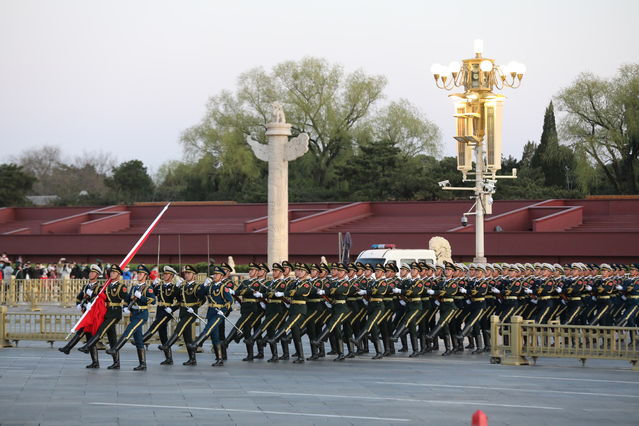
x=521 y=340
x=52 y=327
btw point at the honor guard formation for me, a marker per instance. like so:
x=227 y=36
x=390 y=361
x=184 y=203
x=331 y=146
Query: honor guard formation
x=347 y=306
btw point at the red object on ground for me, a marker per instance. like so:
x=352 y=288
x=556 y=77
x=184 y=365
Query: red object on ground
x=480 y=418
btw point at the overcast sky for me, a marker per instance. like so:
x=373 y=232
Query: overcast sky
x=129 y=76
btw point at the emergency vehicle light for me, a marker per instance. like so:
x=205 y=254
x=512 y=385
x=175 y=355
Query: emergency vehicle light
x=382 y=246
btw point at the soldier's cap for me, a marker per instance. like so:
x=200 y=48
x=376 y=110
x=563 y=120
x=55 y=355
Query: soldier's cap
x=567 y=266
x=339 y=266
x=537 y=265
x=287 y=264
x=95 y=268
x=448 y=265
x=490 y=266
x=547 y=266
x=333 y=265
x=369 y=267
x=325 y=267
x=462 y=267
x=405 y=266
x=379 y=267
x=558 y=267
x=633 y=266
x=254 y=265
x=497 y=267
x=480 y=266
x=605 y=267
x=415 y=265
x=352 y=267
x=315 y=267
x=472 y=266
x=276 y=267
x=359 y=265
x=264 y=267
x=305 y=267
x=115 y=268
x=189 y=268
x=391 y=267
x=439 y=266
x=143 y=268
x=168 y=269
x=226 y=267
x=529 y=266
x=218 y=270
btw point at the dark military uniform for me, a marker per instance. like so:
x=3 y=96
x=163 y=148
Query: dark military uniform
x=411 y=290
x=166 y=297
x=447 y=309
x=375 y=292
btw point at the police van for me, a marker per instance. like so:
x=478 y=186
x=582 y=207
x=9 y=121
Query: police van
x=389 y=253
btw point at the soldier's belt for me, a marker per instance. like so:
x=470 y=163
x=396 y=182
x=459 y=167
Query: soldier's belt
x=415 y=299
x=189 y=304
x=298 y=302
x=388 y=299
x=634 y=297
x=574 y=298
x=477 y=299
x=143 y=307
x=274 y=301
x=165 y=304
x=448 y=299
x=113 y=304
x=244 y=299
x=215 y=305
x=603 y=297
x=510 y=297
x=545 y=297
x=315 y=300
x=458 y=297
x=352 y=299
x=376 y=299
x=338 y=302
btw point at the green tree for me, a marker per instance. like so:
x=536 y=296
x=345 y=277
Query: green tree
x=15 y=183
x=602 y=120
x=130 y=182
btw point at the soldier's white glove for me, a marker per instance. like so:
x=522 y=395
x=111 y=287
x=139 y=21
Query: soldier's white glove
x=397 y=291
x=365 y=302
x=78 y=306
x=279 y=294
x=179 y=283
x=207 y=282
x=88 y=306
x=190 y=311
x=468 y=302
x=135 y=307
x=618 y=287
x=89 y=292
x=430 y=291
x=588 y=288
x=495 y=290
x=593 y=298
x=558 y=289
x=258 y=295
x=401 y=302
x=437 y=302
x=126 y=311
x=535 y=301
x=138 y=294
x=321 y=292
x=463 y=290
x=220 y=313
x=231 y=291
x=624 y=298
x=156 y=281
x=362 y=292
x=168 y=310
x=328 y=304
x=528 y=291
x=263 y=305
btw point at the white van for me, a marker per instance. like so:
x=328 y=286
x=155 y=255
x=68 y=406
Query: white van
x=388 y=253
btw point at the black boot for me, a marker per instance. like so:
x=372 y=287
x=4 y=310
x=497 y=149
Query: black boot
x=435 y=346
x=486 y=335
x=224 y=356
x=365 y=346
x=448 y=350
x=378 y=350
x=169 y=342
x=285 y=355
x=478 y=344
x=458 y=344
x=399 y=332
x=299 y=350
x=117 y=347
x=71 y=343
x=278 y=335
x=94 y=358
x=314 y=353
x=333 y=342
x=413 y=342
x=249 y=353
x=425 y=345
x=260 y=349
x=340 y=350
x=322 y=351
x=168 y=355
x=116 y=362
x=404 y=347
x=351 y=350
x=141 y=359
x=87 y=346
x=274 y=356
x=387 y=344
x=322 y=337
x=192 y=360
x=219 y=361
x=233 y=335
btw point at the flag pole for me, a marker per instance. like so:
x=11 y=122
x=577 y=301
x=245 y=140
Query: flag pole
x=125 y=261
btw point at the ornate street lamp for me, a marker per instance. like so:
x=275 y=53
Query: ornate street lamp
x=478 y=116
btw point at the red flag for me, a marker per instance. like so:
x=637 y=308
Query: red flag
x=93 y=317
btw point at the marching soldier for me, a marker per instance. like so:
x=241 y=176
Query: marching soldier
x=139 y=299
x=116 y=293
x=412 y=290
x=188 y=296
x=218 y=295
x=84 y=299
x=375 y=292
x=448 y=309
x=477 y=293
x=166 y=294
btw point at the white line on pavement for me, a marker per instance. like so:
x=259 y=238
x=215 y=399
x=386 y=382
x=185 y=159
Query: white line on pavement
x=281 y=413
x=569 y=378
x=544 y=391
x=427 y=401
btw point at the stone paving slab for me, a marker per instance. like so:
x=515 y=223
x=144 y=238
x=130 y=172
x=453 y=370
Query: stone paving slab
x=39 y=385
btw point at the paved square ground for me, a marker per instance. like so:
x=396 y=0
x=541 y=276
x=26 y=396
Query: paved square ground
x=39 y=385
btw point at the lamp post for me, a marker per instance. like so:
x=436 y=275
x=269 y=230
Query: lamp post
x=478 y=117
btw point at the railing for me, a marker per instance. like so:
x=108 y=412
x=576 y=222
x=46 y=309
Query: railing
x=51 y=327
x=521 y=340
x=61 y=292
